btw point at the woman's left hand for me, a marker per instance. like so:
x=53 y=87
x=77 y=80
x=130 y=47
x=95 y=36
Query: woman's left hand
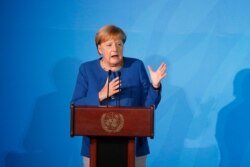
x=158 y=75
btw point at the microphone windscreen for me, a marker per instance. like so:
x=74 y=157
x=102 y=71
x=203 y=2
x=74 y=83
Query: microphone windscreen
x=109 y=72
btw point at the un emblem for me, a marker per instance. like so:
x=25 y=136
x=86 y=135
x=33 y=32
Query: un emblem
x=112 y=122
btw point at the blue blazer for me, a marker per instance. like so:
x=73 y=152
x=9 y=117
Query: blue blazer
x=136 y=91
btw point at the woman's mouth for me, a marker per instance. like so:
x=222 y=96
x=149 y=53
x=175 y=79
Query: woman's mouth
x=115 y=55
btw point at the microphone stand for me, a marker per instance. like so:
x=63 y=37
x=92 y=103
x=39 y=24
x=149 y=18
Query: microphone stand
x=119 y=96
x=109 y=73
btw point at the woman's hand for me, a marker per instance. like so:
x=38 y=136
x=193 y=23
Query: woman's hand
x=158 y=75
x=114 y=86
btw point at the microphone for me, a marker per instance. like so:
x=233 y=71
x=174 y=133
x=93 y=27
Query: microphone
x=119 y=93
x=109 y=73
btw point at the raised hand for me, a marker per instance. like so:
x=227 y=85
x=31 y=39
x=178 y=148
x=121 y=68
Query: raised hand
x=113 y=88
x=158 y=75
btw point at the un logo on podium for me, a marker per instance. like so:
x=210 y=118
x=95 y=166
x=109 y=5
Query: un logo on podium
x=112 y=122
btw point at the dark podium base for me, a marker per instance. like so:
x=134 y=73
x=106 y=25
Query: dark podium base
x=112 y=152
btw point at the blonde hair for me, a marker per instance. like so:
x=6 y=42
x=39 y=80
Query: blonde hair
x=109 y=32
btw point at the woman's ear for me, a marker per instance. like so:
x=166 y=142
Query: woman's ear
x=99 y=49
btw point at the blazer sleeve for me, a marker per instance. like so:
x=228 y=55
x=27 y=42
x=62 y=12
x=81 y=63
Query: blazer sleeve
x=151 y=97
x=81 y=96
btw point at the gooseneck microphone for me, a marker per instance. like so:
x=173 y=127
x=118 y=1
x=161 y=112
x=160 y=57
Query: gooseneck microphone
x=119 y=93
x=109 y=73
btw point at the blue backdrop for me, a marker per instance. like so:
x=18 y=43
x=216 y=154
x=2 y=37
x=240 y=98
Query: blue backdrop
x=204 y=116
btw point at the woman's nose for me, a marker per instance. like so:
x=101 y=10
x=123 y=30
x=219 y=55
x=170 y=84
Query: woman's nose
x=114 y=47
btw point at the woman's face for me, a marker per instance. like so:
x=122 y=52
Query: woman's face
x=112 y=52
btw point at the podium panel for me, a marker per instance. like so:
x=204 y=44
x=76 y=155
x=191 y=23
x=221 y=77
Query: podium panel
x=112 y=131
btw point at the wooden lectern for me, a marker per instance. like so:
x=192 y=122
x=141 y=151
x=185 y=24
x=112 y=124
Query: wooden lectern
x=112 y=132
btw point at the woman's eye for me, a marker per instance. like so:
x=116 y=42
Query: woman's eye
x=120 y=44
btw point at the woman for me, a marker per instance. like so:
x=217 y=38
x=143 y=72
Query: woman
x=115 y=80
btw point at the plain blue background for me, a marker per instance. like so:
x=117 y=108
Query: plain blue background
x=203 y=119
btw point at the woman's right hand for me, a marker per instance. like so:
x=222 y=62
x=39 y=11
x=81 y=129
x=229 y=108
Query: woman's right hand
x=114 y=86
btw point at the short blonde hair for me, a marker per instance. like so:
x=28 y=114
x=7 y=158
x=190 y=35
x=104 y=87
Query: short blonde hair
x=109 y=32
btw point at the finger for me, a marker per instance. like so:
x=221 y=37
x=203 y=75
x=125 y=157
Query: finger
x=162 y=67
x=163 y=76
x=116 y=87
x=115 y=91
x=113 y=81
x=150 y=68
x=163 y=70
x=117 y=80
